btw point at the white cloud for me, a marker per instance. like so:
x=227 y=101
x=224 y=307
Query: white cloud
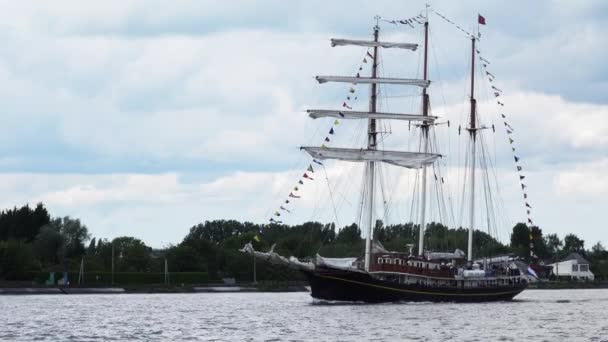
x=585 y=181
x=146 y=83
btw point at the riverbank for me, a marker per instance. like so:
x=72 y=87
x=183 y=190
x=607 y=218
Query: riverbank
x=211 y=288
x=568 y=285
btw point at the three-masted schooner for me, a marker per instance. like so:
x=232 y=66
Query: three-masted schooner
x=386 y=276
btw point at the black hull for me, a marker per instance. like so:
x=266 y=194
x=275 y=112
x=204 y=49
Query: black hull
x=341 y=285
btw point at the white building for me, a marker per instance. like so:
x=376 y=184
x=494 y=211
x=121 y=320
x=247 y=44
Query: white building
x=573 y=266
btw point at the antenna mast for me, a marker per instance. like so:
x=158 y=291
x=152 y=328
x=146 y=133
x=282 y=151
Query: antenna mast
x=371 y=144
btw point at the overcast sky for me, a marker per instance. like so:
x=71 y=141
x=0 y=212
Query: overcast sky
x=143 y=118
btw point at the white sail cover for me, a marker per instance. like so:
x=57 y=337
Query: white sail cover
x=411 y=160
x=343 y=114
x=277 y=259
x=458 y=254
x=400 y=81
x=370 y=43
x=343 y=263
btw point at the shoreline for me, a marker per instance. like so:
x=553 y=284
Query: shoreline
x=220 y=288
x=144 y=290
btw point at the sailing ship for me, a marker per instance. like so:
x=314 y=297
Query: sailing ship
x=390 y=276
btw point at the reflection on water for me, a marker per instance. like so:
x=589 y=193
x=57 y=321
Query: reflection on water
x=535 y=315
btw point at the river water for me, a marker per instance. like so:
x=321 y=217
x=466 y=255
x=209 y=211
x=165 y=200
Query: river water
x=535 y=315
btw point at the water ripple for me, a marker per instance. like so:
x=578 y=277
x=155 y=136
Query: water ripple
x=536 y=315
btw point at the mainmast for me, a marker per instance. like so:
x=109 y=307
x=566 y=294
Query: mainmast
x=425 y=144
x=372 y=155
x=371 y=145
x=473 y=134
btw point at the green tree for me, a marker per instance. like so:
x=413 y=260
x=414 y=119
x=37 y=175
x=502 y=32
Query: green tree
x=349 y=234
x=598 y=249
x=131 y=254
x=540 y=247
x=91 y=250
x=16 y=258
x=572 y=244
x=75 y=235
x=554 y=244
x=184 y=258
x=520 y=240
x=49 y=245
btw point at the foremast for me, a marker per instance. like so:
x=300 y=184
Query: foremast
x=371 y=155
x=425 y=144
x=371 y=145
x=473 y=138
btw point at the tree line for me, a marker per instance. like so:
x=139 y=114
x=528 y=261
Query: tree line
x=31 y=241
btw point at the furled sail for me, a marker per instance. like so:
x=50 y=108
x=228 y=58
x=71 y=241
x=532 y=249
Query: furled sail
x=371 y=43
x=343 y=114
x=411 y=160
x=400 y=81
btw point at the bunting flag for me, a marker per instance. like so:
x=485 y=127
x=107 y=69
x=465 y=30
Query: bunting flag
x=347 y=103
x=408 y=21
x=509 y=130
x=483 y=59
x=256 y=237
x=277 y=213
x=452 y=23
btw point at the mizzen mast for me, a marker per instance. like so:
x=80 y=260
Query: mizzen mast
x=473 y=135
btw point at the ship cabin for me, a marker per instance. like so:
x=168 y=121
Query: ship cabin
x=437 y=270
